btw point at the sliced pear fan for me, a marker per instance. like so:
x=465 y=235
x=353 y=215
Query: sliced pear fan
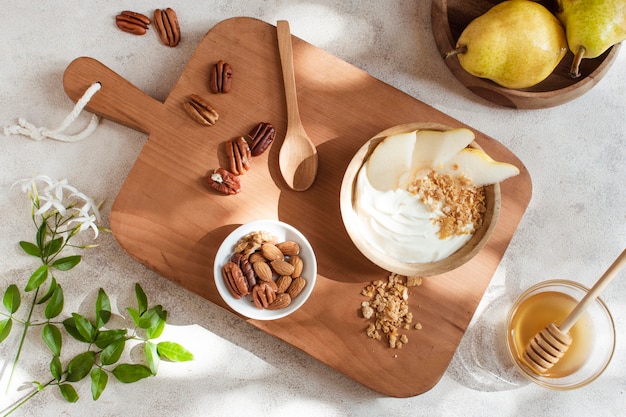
x=479 y=167
x=390 y=160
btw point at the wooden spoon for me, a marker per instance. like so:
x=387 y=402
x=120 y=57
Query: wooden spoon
x=297 y=158
x=550 y=344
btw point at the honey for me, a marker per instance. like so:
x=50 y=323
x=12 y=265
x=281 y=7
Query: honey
x=538 y=311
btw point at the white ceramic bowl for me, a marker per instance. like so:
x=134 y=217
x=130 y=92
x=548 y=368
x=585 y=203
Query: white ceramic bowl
x=283 y=232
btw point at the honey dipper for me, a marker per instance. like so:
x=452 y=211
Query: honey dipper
x=550 y=344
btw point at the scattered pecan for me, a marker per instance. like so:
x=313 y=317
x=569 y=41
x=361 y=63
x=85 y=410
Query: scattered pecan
x=221 y=78
x=167 y=27
x=132 y=22
x=239 y=155
x=223 y=181
x=200 y=110
x=235 y=281
x=261 y=137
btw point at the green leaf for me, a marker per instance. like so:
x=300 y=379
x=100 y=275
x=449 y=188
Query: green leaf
x=128 y=373
x=134 y=314
x=37 y=278
x=67 y=263
x=30 y=248
x=155 y=331
x=99 y=379
x=152 y=356
x=84 y=327
x=52 y=336
x=41 y=234
x=70 y=326
x=51 y=288
x=151 y=317
x=174 y=352
x=80 y=365
x=55 y=305
x=142 y=300
x=12 y=299
x=112 y=352
x=68 y=392
x=106 y=337
x=5 y=328
x=53 y=247
x=56 y=369
x=103 y=309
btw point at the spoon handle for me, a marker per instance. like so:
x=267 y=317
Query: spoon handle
x=594 y=292
x=286 y=60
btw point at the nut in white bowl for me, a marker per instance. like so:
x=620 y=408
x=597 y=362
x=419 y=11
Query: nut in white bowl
x=283 y=232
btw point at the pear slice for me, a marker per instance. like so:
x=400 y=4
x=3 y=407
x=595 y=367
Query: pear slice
x=390 y=160
x=478 y=166
x=433 y=148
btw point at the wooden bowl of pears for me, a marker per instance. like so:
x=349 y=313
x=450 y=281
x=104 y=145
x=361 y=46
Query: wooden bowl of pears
x=465 y=27
x=399 y=185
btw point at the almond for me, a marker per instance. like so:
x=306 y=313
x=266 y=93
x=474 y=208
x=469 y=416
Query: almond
x=289 y=248
x=282 y=283
x=256 y=257
x=282 y=301
x=297 y=263
x=262 y=271
x=296 y=287
x=282 y=267
x=271 y=252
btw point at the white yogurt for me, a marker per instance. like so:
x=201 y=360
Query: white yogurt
x=400 y=225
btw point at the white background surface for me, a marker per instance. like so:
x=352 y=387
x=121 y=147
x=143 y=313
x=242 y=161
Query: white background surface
x=574 y=226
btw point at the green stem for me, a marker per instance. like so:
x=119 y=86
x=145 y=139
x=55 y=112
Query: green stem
x=25 y=399
x=27 y=324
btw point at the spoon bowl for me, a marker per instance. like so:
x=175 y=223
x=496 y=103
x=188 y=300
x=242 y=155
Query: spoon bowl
x=297 y=157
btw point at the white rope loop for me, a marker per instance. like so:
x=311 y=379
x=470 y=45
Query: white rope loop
x=27 y=129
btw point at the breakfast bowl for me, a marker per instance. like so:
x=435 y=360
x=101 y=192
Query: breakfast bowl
x=593 y=334
x=353 y=222
x=451 y=17
x=276 y=233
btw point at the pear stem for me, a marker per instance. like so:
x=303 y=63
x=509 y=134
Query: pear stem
x=459 y=50
x=574 y=70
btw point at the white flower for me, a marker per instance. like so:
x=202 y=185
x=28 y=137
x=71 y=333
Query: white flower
x=49 y=200
x=86 y=219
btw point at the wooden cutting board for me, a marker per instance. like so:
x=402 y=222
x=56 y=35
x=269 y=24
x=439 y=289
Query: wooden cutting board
x=169 y=220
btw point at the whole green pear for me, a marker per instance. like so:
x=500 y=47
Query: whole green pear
x=516 y=43
x=592 y=27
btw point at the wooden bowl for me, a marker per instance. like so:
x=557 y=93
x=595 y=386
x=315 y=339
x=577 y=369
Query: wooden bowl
x=352 y=223
x=449 y=19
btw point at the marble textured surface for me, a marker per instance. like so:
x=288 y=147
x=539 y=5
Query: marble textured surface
x=574 y=227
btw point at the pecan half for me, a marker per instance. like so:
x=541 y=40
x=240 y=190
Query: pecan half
x=263 y=295
x=132 y=22
x=200 y=110
x=223 y=181
x=239 y=155
x=235 y=281
x=221 y=78
x=167 y=27
x=261 y=137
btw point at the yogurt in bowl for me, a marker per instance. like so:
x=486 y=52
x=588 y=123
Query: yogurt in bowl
x=421 y=199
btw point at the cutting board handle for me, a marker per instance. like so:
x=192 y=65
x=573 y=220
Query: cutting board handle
x=117 y=100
